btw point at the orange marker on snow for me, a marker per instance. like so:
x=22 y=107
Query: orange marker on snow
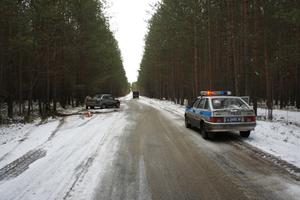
x=88 y=114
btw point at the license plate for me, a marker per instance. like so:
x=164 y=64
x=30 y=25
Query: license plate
x=234 y=119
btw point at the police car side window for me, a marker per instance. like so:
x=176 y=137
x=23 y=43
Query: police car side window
x=201 y=104
x=206 y=107
x=196 y=104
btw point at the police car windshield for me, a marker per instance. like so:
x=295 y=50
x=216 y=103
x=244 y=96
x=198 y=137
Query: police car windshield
x=228 y=103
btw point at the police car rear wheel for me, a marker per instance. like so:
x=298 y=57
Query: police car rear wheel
x=245 y=134
x=187 y=124
x=204 y=133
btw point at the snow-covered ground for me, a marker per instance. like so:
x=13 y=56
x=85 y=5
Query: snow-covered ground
x=285 y=116
x=59 y=158
x=281 y=137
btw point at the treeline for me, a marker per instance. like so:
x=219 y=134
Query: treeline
x=251 y=47
x=56 y=51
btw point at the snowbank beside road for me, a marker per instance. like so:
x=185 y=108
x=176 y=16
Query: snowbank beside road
x=126 y=98
x=163 y=104
x=285 y=116
x=62 y=159
x=278 y=137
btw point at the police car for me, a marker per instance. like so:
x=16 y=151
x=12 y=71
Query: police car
x=217 y=111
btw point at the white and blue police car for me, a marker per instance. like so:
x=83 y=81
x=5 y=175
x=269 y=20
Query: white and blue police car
x=218 y=111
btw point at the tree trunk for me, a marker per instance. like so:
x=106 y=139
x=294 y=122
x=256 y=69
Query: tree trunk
x=268 y=82
x=20 y=84
x=268 y=72
x=10 y=107
x=28 y=108
x=196 y=82
x=209 y=51
x=246 y=46
x=298 y=87
x=255 y=58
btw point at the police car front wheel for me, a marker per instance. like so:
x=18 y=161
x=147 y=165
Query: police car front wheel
x=187 y=123
x=204 y=134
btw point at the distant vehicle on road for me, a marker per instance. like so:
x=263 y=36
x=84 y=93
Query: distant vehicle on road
x=135 y=94
x=216 y=111
x=102 y=101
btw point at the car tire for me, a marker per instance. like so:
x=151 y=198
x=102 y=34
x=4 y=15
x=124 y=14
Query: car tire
x=204 y=133
x=117 y=105
x=186 y=122
x=103 y=106
x=245 y=134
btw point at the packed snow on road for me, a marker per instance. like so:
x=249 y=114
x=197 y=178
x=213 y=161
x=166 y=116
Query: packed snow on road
x=280 y=137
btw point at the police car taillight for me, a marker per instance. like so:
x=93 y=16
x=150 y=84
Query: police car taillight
x=250 y=119
x=215 y=93
x=216 y=119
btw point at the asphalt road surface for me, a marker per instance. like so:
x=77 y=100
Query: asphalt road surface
x=161 y=159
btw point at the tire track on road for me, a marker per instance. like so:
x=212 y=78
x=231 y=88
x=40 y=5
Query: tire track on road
x=80 y=172
x=21 y=164
x=83 y=168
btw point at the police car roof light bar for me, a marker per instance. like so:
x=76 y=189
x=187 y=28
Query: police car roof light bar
x=215 y=93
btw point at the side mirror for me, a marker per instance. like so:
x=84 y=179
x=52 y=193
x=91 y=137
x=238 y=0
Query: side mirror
x=188 y=106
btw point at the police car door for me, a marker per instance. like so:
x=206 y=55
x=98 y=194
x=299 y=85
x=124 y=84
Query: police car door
x=200 y=112
x=192 y=113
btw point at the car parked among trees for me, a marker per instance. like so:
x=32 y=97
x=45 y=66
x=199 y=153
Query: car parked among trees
x=102 y=101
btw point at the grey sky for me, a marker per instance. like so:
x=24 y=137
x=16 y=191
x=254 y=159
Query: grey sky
x=128 y=21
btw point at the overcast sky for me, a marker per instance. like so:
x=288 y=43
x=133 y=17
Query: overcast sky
x=128 y=21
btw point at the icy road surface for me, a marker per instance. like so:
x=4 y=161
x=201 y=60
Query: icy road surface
x=136 y=152
x=279 y=138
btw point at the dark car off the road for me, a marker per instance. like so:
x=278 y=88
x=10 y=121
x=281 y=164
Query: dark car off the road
x=102 y=101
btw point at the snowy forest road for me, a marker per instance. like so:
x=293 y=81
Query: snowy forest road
x=139 y=152
x=161 y=159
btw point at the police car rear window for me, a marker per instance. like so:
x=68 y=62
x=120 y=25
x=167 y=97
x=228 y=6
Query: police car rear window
x=228 y=103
